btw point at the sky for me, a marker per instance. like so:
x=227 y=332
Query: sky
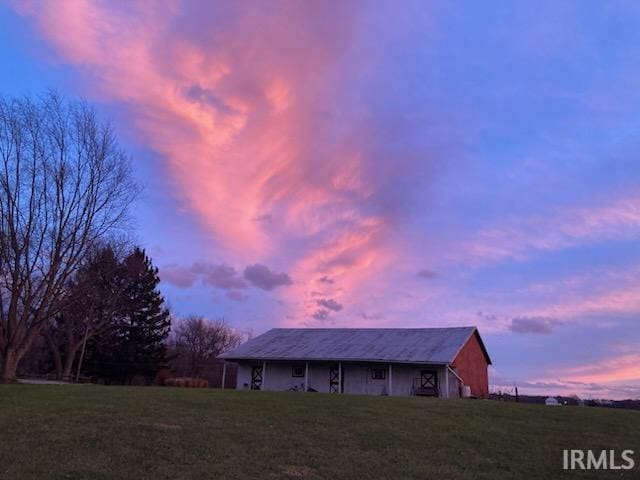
x=376 y=164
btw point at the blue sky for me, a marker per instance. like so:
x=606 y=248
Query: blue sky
x=377 y=164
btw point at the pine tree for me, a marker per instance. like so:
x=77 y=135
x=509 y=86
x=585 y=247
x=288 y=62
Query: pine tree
x=147 y=321
x=138 y=345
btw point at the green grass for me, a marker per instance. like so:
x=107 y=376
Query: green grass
x=92 y=432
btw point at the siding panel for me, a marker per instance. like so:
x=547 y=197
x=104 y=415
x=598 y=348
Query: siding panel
x=471 y=365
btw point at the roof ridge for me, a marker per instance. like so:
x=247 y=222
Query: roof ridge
x=373 y=328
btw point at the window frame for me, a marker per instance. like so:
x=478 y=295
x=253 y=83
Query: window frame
x=293 y=371
x=378 y=374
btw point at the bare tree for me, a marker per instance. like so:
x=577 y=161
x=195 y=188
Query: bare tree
x=197 y=341
x=94 y=307
x=65 y=184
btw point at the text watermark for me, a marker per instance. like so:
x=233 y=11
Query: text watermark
x=598 y=460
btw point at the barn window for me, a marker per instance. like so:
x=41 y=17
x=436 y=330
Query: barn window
x=297 y=371
x=378 y=374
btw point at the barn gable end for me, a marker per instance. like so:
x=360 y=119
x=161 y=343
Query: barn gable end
x=471 y=364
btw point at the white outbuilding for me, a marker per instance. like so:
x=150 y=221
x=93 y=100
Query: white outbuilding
x=444 y=362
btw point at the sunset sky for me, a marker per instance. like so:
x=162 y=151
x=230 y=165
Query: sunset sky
x=377 y=163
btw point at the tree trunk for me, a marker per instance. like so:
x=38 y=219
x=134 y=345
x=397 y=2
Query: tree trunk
x=57 y=363
x=68 y=366
x=9 y=366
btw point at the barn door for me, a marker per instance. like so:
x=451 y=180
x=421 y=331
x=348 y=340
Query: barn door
x=256 y=378
x=429 y=382
x=334 y=380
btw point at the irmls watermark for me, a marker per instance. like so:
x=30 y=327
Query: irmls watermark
x=598 y=460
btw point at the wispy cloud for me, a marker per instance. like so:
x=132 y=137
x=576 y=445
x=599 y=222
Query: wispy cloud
x=624 y=299
x=249 y=132
x=518 y=238
x=584 y=390
x=617 y=369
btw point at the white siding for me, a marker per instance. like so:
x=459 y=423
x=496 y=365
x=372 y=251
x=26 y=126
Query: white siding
x=279 y=376
x=319 y=377
x=243 y=381
x=357 y=378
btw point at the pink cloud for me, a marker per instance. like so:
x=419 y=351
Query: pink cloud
x=245 y=112
x=613 y=218
x=615 y=377
x=598 y=298
x=247 y=156
x=249 y=118
x=585 y=390
x=591 y=297
x=619 y=299
x=617 y=369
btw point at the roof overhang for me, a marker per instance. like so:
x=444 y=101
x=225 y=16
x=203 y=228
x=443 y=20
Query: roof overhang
x=475 y=333
x=329 y=360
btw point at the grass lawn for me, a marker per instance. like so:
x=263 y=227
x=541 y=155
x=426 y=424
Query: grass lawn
x=93 y=432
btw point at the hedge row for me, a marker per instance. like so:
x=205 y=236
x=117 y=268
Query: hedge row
x=186 y=382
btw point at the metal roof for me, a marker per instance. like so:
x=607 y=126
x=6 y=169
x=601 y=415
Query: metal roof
x=402 y=345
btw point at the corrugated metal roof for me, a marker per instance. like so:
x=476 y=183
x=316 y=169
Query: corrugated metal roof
x=410 y=345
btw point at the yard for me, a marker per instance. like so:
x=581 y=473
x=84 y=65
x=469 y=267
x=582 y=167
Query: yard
x=93 y=432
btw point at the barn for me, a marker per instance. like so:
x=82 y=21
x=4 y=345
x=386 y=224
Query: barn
x=442 y=362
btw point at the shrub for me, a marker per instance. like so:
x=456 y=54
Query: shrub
x=162 y=375
x=186 y=382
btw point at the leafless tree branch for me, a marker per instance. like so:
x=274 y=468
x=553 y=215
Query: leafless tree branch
x=65 y=184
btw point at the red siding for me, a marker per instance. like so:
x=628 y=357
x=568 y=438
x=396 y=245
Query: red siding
x=471 y=365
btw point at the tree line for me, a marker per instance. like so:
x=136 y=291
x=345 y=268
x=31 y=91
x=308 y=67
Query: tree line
x=75 y=297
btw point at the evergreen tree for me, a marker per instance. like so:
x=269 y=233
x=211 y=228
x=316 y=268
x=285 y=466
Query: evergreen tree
x=138 y=345
x=93 y=308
